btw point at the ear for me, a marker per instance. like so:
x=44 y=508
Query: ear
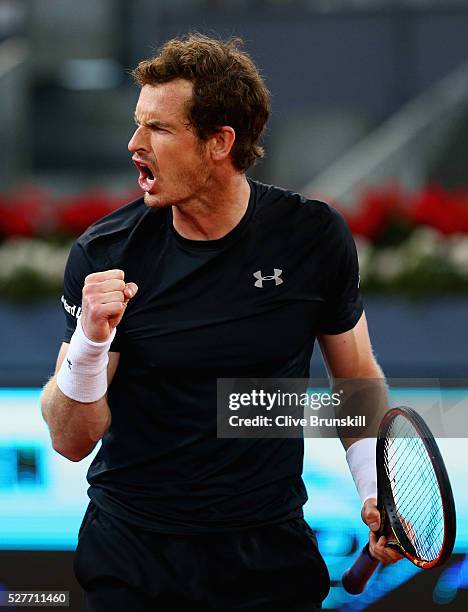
x=221 y=143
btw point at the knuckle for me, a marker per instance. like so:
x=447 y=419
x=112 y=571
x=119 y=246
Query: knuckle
x=94 y=309
x=117 y=309
x=114 y=284
x=94 y=277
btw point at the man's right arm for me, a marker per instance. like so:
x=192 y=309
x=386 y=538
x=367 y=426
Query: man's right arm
x=74 y=403
x=75 y=427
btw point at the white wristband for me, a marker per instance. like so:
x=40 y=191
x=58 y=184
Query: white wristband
x=83 y=373
x=361 y=461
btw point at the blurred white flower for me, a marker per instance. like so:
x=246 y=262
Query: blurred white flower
x=458 y=253
x=423 y=242
x=38 y=256
x=388 y=264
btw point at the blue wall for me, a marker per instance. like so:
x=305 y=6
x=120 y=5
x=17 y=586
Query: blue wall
x=427 y=338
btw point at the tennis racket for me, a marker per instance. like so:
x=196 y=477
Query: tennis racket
x=414 y=497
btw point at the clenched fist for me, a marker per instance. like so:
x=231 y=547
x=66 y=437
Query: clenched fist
x=105 y=296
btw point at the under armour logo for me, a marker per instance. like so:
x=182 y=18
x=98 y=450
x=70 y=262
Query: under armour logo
x=276 y=277
x=69 y=364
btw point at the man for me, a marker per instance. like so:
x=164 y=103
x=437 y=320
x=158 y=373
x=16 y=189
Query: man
x=176 y=290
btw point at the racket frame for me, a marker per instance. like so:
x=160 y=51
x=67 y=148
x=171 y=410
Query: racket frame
x=386 y=499
x=356 y=577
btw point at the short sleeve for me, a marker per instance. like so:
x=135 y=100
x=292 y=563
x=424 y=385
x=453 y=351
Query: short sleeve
x=343 y=305
x=76 y=270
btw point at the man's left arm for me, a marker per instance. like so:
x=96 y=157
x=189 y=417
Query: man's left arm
x=349 y=355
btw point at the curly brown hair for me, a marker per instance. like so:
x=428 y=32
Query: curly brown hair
x=227 y=89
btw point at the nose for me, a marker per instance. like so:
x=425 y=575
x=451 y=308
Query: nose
x=138 y=141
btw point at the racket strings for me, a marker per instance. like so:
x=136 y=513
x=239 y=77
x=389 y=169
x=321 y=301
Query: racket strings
x=424 y=477
x=425 y=473
x=407 y=519
x=415 y=489
x=414 y=529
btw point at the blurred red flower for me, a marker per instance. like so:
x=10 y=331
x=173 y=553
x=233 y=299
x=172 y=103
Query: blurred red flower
x=75 y=214
x=23 y=214
x=445 y=211
x=377 y=207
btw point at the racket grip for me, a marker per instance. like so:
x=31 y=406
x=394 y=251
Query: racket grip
x=355 y=578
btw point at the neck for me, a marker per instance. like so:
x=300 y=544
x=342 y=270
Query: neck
x=215 y=213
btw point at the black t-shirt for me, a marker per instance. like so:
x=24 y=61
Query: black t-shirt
x=206 y=310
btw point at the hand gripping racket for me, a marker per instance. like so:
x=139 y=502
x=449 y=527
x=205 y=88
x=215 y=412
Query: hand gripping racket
x=414 y=497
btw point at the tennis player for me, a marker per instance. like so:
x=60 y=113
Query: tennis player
x=209 y=274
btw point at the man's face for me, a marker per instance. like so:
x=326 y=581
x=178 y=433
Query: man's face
x=173 y=163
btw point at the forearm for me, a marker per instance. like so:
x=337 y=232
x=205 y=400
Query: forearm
x=364 y=394
x=360 y=383
x=74 y=427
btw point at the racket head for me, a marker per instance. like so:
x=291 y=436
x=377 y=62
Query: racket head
x=415 y=495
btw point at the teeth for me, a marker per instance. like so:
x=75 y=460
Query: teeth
x=146 y=170
x=146 y=179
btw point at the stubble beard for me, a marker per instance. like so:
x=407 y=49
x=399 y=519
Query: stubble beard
x=195 y=180
x=152 y=201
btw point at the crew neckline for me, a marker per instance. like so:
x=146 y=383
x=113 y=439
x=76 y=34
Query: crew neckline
x=218 y=243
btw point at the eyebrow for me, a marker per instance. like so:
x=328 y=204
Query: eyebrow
x=152 y=123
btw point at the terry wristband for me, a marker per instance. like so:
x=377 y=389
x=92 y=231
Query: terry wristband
x=83 y=373
x=361 y=461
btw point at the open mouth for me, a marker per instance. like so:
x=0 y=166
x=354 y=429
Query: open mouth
x=146 y=180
